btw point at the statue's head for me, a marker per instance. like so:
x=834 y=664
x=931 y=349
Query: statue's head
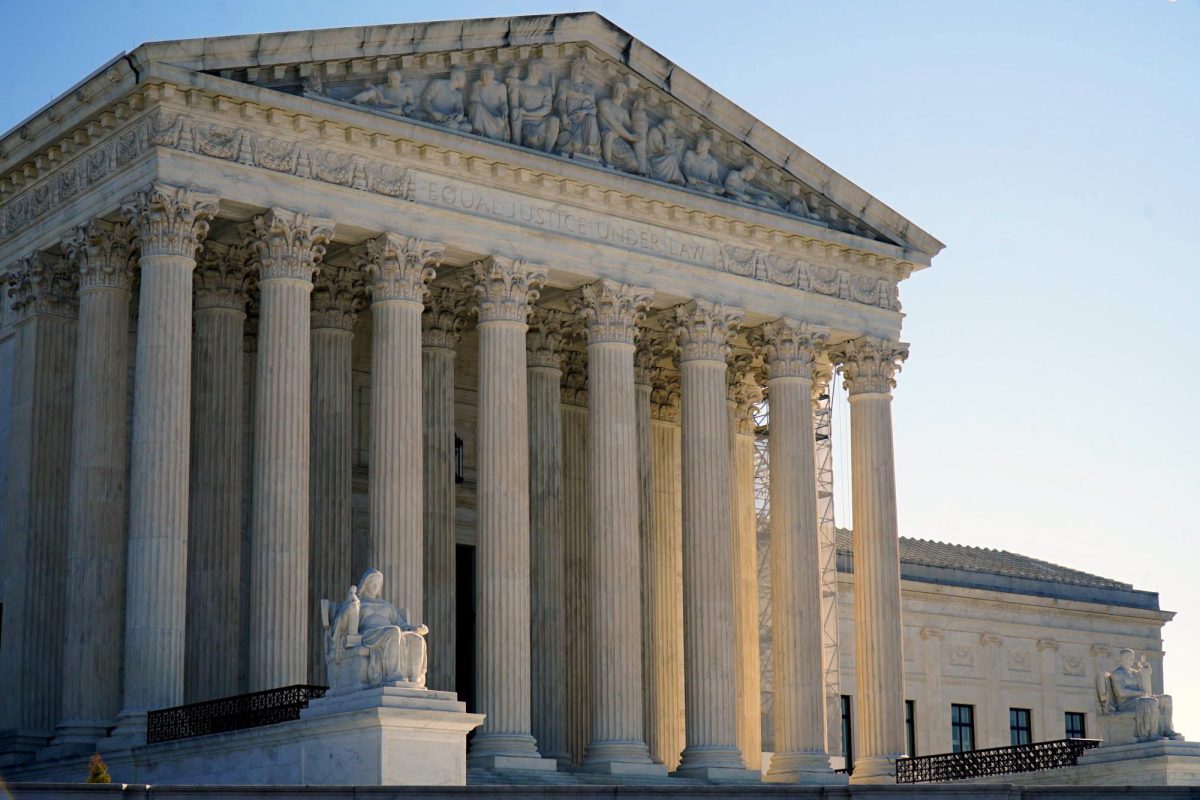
x=702 y=145
x=394 y=78
x=534 y=69
x=458 y=77
x=619 y=92
x=578 y=69
x=1125 y=658
x=749 y=171
x=371 y=584
x=487 y=73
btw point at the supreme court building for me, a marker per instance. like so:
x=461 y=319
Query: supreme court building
x=494 y=306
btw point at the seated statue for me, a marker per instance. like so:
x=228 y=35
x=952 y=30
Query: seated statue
x=700 y=168
x=488 y=106
x=394 y=95
x=739 y=186
x=1125 y=696
x=369 y=642
x=442 y=101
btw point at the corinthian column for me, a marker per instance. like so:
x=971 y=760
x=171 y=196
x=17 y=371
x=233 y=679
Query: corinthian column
x=442 y=324
x=869 y=367
x=288 y=247
x=397 y=270
x=506 y=289
x=547 y=332
x=575 y=547
x=743 y=394
x=43 y=292
x=662 y=570
x=611 y=312
x=337 y=298
x=170 y=224
x=790 y=350
x=95 y=561
x=704 y=329
x=214 y=568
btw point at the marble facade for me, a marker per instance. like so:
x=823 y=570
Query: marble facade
x=536 y=235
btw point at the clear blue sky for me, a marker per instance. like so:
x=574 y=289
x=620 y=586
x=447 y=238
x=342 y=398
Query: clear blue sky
x=1050 y=403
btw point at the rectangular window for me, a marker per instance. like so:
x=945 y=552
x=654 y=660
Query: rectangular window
x=1076 y=725
x=1020 y=729
x=847 y=733
x=962 y=728
x=910 y=728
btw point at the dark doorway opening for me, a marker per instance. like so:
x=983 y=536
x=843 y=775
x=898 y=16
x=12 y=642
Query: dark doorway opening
x=464 y=624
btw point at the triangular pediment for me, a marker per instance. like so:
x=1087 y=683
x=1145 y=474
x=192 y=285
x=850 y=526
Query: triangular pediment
x=569 y=86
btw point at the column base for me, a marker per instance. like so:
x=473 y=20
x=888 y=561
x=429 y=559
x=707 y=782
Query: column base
x=874 y=770
x=129 y=733
x=507 y=751
x=74 y=738
x=500 y=763
x=645 y=769
x=810 y=769
x=19 y=748
x=719 y=774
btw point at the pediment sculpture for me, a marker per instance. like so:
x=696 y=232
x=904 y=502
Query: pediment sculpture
x=1129 y=710
x=369 y=642
x=609 y=124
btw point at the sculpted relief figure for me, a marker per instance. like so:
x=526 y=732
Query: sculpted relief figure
x=664 y=152
x=739 y=186
x=619 y=141
x=576 y=107
x=442 y=101
x=369 y=642
x=700 y=169
x=531 y=109
x=1127 y=691
x=393 y=96
x=487 y=108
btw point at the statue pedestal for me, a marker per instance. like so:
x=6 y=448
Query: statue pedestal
x=373 y=737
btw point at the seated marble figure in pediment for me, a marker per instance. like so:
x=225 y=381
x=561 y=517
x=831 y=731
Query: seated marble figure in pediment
x=1129 y=710
x=560 y=108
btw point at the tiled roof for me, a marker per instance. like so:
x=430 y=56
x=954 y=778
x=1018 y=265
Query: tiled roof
x=985 y=560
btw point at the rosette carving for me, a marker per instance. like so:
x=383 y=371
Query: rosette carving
x=789 y=348
x=704 y=330
x=104 y=253
x=337 y=298
x=399 y=267
x=548 y=331
x=169 y=220
x=444 y=317
x=611 y=311
x=506 y=288
x=869 y=364
x=287 y=244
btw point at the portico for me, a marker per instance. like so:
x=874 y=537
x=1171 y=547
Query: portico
x=571 y=301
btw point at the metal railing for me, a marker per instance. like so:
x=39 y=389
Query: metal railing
x=230 y=713
x=993 y=761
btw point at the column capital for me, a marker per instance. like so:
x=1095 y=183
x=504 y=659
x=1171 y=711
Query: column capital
x=169 y=220
x=42 y=283
x=610 y=310
x=704 y=330
x=222 y=277
x=548 y=331
x=337 y=297
x=287 y=244
x=444 y=317
x=822 y=376
x=574 y=379
x=869 y=364
x=789 y=348
x=647 y=357
x=104 y=253
x=743 y=391
x=506 y=288
x=398 y=267
x=664 y=395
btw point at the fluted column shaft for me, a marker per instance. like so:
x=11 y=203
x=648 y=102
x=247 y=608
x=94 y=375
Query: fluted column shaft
x=98 y=484
x=442 y=322
x=35 y=509
x=214 y=542
x=336 y=300
x=611 y=312
x=505 y=290
x=663 y=583
x=575 y=535
x=171 y=223
x=868 y=366
x=703 y=329
x=288 y=247
x=548 y=559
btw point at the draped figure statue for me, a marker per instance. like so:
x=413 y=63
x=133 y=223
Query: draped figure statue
x=369 y=642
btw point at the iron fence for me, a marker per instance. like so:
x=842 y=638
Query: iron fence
x=993 y=761
x=230 y=713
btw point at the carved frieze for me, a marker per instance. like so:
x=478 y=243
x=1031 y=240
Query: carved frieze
x=961 y=655
x=1073 y=666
